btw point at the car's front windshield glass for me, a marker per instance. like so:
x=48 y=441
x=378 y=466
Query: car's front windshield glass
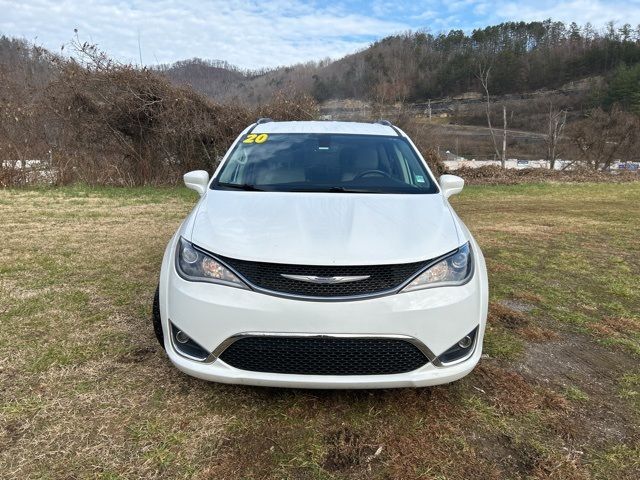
x=324 y=163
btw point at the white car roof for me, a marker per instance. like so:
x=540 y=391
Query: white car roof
x=352 y=128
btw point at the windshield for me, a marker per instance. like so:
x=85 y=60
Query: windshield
x=324 y=163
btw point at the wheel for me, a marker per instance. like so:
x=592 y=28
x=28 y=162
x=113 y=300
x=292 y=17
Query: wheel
x=155 y=317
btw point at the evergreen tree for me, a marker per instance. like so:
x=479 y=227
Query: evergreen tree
x=624 y=88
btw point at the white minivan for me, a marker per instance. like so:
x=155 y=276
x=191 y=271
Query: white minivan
x=323 y=255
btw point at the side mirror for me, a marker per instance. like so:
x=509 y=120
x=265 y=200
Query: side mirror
x=451 y=184
x=197 y=180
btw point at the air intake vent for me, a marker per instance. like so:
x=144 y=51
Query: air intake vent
x=324 y=355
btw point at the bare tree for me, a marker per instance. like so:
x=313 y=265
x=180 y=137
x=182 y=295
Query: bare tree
x=483 y=76
x=504 y=136
x=604 y=137
x=556 y=122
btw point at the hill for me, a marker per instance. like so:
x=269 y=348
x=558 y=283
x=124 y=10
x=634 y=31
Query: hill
x=416 y=66
x=214 y=78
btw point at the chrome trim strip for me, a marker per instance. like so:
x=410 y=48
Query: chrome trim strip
x=209 y=359
x=292 y=296
x=325 y=280
x=426 y=351
x=439 y=363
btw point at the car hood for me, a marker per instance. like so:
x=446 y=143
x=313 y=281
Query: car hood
x=325 y=228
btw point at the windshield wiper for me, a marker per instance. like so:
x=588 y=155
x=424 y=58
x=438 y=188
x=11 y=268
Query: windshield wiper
x=241 y=186
x=350 y=190
x=334 y=189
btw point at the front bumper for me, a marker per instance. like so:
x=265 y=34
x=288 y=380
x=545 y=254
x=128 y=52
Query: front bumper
x=212 y=314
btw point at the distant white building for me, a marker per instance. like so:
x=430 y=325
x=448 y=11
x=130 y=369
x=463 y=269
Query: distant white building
x=454 y=162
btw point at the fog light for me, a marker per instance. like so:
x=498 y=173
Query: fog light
x=460 y=350
x=181 y=337
x=185 y=345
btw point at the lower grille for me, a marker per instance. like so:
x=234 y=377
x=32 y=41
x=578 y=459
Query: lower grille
x=324 y=355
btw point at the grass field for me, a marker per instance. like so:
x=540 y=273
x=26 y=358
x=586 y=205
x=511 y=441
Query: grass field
x=86 y=392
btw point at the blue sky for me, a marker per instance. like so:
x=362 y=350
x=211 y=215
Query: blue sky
x=267 y=33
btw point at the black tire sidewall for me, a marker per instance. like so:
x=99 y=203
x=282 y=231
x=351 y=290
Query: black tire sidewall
x=155 y=317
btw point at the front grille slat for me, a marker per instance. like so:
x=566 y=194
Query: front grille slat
x=268 y=276
x=324 y=355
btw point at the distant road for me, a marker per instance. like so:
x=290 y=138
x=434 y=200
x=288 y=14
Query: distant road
x=475 y=130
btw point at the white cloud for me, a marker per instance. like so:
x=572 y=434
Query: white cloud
x=254 y=34
x=482 y=8
x=426 y=15
x=458 y=5
x=250 y=34
x=598 y=12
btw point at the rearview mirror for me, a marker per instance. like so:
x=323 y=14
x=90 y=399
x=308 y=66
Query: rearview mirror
x=197 y=180
x=451 y=184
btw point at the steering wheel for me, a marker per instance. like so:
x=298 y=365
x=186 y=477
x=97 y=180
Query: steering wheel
x=371 y=172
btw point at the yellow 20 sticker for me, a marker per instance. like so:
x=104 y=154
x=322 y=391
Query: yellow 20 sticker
x=256 y=138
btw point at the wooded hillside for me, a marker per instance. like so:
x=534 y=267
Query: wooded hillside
x=416 y=66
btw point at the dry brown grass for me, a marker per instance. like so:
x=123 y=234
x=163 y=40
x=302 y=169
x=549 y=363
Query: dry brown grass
x=86 y=393
x=536 y=333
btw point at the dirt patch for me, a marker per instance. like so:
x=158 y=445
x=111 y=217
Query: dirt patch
x=504 y=314
x=512 y=314
x=566 y=469
x=509 y=391
x=523 y=460
x=11 y=433
x=246 y=455
x=574 y=360
x=502 y=449
x=347 y=449
x=137 y=355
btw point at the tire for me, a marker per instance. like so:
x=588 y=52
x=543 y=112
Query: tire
x=155 y=318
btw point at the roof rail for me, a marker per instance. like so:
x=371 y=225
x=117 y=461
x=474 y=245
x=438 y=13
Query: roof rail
x=260 y=121
x=387 y=123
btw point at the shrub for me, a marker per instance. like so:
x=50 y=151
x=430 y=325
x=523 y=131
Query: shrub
x=495 y=175
x=101 y=122
x=124 y=125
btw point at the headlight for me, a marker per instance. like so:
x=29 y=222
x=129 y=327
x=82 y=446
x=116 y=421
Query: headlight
x=195 y=265
x=455 y=269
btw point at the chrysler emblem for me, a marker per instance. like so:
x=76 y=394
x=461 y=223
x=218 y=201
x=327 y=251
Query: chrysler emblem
x=325 y=280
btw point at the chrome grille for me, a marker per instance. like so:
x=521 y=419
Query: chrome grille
x=379 y=278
